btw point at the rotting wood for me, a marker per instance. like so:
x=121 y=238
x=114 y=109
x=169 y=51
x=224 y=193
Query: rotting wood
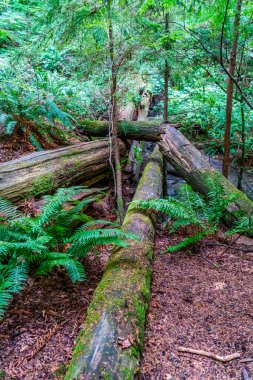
x=223 y=359
x=43 y=172
x=133 y=130
x=110 y=344
x=190 y=163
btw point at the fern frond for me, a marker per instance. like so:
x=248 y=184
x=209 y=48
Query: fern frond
x=188 y=241
x=73 y=267
x=8 y=210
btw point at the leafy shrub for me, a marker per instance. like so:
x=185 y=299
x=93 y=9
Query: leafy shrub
x=192 y=209
x=58 y=237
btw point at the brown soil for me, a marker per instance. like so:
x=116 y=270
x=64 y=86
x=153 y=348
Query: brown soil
x=196 y=305
x=38 y=332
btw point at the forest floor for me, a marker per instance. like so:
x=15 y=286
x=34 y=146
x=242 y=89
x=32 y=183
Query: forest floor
x=38 y=332
x=7 y=153
x=195 y=305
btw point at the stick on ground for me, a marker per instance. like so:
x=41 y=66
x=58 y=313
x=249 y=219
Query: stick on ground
x=223 y=359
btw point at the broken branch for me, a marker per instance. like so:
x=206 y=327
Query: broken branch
x=223 y=359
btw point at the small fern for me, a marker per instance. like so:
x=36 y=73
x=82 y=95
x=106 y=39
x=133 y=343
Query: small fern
x=58 y=237
x=243 y=225
x=192 y=209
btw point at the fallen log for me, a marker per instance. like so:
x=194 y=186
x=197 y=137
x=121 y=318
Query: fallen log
x=110 y=344
x=133 y=130
x=189 y=162
x=43 y=172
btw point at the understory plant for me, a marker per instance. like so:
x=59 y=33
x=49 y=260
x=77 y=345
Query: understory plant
x=59 y=236
x=192 y=209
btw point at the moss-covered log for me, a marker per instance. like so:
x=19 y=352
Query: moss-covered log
x=190 y=163
x=133 y=130
x=110 y=344
x=43 y=172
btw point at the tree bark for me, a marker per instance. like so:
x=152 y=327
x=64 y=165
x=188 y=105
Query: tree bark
x=114 y=118
x=242 y=158
x=133 y=130
x=43 y=172
x=166 y=101
x=193 y=167
x=110 y=344
x=230 y=88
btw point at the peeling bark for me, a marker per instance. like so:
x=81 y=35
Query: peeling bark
x=110 y=344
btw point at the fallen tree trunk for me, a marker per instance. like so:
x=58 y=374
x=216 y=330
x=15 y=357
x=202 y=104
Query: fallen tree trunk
x=189 y=162
x=133 y=130
x=110 y=344
x=43 y=172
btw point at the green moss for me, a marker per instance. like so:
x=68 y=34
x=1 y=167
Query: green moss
x=42 y=185
x=128 y=374
x=2 y=374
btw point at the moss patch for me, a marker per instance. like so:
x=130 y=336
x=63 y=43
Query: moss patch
x=42 y=185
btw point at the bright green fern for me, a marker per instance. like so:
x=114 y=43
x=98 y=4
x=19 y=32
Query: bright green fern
x=58 y=237
x=192 y=209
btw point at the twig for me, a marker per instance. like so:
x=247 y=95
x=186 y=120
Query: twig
x=230 y=247
x=247 y=360
x=216 y=266
x=232 y=243
x=223 y=359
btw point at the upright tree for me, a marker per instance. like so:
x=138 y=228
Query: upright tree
x=230 y=88
x=114 y=116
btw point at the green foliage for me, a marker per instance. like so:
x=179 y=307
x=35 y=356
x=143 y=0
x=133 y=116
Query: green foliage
x=243 y=226
x=58 y=237
x=192 y=209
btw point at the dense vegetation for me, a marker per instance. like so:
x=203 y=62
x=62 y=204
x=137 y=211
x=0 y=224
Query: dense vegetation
x=66 y=63
x=55 y=64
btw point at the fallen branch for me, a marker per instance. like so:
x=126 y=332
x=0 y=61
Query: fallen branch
x=223 y=359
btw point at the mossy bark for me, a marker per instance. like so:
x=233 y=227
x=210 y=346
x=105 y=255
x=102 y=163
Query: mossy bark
x=110 y=344
x=43 y=172
x=189 y=162
x=133 y=130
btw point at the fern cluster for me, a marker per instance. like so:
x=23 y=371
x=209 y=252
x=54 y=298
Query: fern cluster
x=192 y=209
x=58 y=237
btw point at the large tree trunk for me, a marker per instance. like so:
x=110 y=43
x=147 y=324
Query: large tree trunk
x=230 y=89
x=133 y=130
x=109 y=346
x=193 y=167
x=43 y=172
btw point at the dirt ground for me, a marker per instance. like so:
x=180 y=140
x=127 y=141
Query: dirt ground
x=38 y=332
x=193 y=304
x=7 y=152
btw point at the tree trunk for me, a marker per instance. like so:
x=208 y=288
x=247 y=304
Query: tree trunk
x=133 y=130
x=43 y=172
x=166 y=102
x=110 y=344
x=114 y=118
x=230 y=87
x=193 y=167
x=242 y=158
